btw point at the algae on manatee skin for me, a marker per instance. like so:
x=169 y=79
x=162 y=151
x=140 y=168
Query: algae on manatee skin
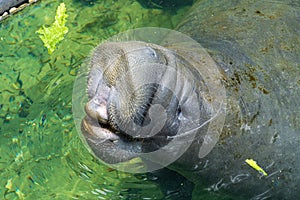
x=56 y=32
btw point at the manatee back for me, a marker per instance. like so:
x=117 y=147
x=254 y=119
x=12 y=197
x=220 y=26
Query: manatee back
x=257 y=46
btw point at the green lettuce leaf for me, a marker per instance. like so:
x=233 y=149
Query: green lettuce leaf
x=56 y=32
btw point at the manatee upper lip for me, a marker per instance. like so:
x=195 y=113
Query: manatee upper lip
x=94 y=129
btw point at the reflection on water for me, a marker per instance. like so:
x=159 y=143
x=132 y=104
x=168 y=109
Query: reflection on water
x=42 y=156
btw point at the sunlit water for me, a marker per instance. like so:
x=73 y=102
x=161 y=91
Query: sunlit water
x=42 y=156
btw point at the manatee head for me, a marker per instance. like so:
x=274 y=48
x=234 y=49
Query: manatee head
x=141 y=97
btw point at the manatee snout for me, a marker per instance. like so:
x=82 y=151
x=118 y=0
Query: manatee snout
x=138 y=99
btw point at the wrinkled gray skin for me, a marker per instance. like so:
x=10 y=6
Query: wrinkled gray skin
x=256 y=46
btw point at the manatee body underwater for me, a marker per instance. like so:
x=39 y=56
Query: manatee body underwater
x=256 y=47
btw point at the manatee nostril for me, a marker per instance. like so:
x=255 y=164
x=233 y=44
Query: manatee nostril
x=102 y=114
x=97 y=111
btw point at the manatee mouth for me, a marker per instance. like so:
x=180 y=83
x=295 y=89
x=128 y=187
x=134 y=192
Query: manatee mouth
x=108 y=144
x=105 y=131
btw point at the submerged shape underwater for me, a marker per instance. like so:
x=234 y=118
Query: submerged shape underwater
x=150 y=100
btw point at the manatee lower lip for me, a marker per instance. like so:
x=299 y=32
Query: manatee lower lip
x=107 y=145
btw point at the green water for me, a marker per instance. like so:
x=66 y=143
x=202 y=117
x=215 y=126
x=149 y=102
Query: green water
x=42 y=156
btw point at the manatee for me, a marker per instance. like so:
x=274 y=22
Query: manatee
x=256 y=48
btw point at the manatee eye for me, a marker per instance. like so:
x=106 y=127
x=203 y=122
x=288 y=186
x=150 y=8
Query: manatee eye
x=157 y=55
x=179 y=110
x=152 y=52
x=179 y=113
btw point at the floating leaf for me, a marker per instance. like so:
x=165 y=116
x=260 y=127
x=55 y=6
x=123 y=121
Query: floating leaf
x=56 y=32
x=255 y=166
